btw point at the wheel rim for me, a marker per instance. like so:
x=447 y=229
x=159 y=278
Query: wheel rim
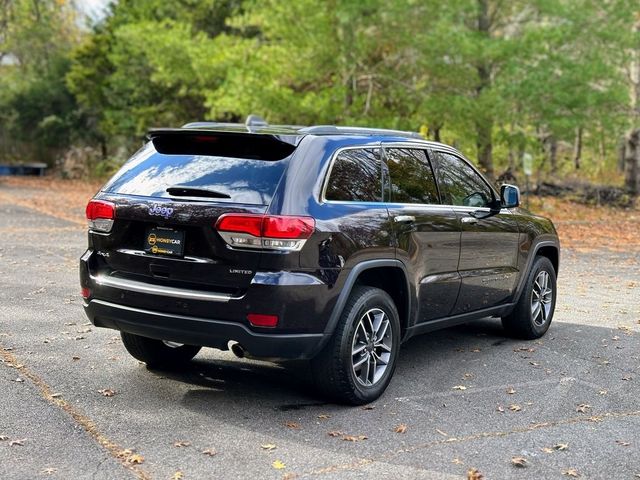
x=371 y=347
x=541 y=298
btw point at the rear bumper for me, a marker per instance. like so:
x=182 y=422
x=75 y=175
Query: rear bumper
x=202 y=331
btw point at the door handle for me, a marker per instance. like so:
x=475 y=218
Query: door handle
x=404 y=219
x=469 y=220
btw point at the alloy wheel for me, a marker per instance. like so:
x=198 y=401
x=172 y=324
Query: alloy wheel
x=541 y=298
x=371 y=347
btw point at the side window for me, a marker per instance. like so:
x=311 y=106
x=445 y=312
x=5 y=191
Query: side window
x=460 y=184
x=412 y=179
x=356 y=176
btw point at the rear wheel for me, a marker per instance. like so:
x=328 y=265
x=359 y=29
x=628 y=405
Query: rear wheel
x=158 y=353
x=533 y=313
x=357 y=364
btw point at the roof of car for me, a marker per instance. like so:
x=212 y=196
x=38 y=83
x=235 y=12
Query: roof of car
x=293 y=133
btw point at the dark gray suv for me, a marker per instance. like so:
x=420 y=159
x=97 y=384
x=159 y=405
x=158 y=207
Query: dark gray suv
x=329 y=244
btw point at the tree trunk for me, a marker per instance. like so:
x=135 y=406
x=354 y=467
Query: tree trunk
x=553 y=154
x=632 y=162
x=577 y=148
x=484 y=124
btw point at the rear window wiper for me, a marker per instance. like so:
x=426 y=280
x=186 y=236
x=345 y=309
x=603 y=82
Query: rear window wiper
x=179 y=191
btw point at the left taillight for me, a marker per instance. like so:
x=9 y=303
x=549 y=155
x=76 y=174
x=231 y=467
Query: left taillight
x=100 y=215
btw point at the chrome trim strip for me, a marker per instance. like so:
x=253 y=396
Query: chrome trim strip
x=142 y=253
x=141 y=287
x=285 y=279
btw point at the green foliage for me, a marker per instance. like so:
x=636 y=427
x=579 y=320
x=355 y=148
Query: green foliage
x=494 y=78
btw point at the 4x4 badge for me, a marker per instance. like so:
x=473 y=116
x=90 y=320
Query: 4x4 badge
x=160 y=211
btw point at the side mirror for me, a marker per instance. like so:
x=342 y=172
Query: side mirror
x=509 y=196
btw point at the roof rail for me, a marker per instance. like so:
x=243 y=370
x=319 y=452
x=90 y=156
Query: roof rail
x=255 y=121
x=333 y=130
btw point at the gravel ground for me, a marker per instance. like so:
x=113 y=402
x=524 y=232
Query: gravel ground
x=574 y=406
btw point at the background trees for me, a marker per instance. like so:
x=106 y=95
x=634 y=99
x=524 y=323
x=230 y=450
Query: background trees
x=557 y=78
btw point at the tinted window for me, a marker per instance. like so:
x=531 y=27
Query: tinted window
x=150 y=173
x=412 y=179
x=356 y=176
x=460 y=184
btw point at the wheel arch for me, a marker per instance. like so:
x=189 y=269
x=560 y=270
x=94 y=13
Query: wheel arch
x=381 y=274
x=547 y=248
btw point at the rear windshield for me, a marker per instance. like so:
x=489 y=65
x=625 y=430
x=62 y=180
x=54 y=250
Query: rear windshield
x=245 y=180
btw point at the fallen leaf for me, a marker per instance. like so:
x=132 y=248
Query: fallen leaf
x=547 y=450
x=293 y=425
x=511 y=390
x=107 y=392
x=622 y=443
x=181 y=443
x=561 y=446
x=459 y=387
x=457 y=461
x=402 y=428
x=467 y=376
x=335 y=434
x=582 y=408
x=524 y=349
x=534 y=364
x=3 y=438
x=324 y=416
x=441 y=432
x=515 y=408
x=500 y=408
x=476 y=350
x=289 y=476
x=268 y=446
x=354 y=438
x=209 y=451
x=571 y=472
x=602 y=392
x=177 y=476
x=75 y=358
x=519 y=462
x=19 y=443
x=369 y=407
x=135 y=459
x=19 y=380
x=278 y=465
x=474 y=474
x=56 y=395
x=49 y=471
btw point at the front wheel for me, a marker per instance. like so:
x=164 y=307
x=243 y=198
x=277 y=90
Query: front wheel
x=357 y=364
x=533 y=313
x=158 y=353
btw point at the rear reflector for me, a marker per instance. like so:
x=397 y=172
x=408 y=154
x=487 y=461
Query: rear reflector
x=266 y=232
x=85 y=292
x=100 y=215
x=261 y=320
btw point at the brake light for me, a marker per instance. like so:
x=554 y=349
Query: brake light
x=267 y=232
x=100 y=215
x=261 y=320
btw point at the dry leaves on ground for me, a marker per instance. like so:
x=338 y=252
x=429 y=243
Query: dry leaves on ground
x=515 y=408
x=583 y=408
x=571 y=472
x=278 y=465
x=107 y=392
x=459 y=387
x=209 y=451
x=402 y=428
x=268 y=446
x=181 y=443
x=474 y=474
x=292 y=425
x=519 y=462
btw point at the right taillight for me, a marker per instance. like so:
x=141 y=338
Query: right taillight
x=285 y=233
x=100 y=215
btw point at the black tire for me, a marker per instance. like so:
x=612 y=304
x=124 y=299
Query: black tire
x=520 y=323
x=333 y=369
x=155 y=353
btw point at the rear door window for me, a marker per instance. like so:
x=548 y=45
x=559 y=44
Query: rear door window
x=237 y=179
x=412 y=179
x=356 y=176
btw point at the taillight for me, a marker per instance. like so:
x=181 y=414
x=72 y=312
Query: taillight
x=266 y=232
x=85 y=292
x=100 y=215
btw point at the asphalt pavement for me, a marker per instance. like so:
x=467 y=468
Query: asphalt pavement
x=74 y=404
